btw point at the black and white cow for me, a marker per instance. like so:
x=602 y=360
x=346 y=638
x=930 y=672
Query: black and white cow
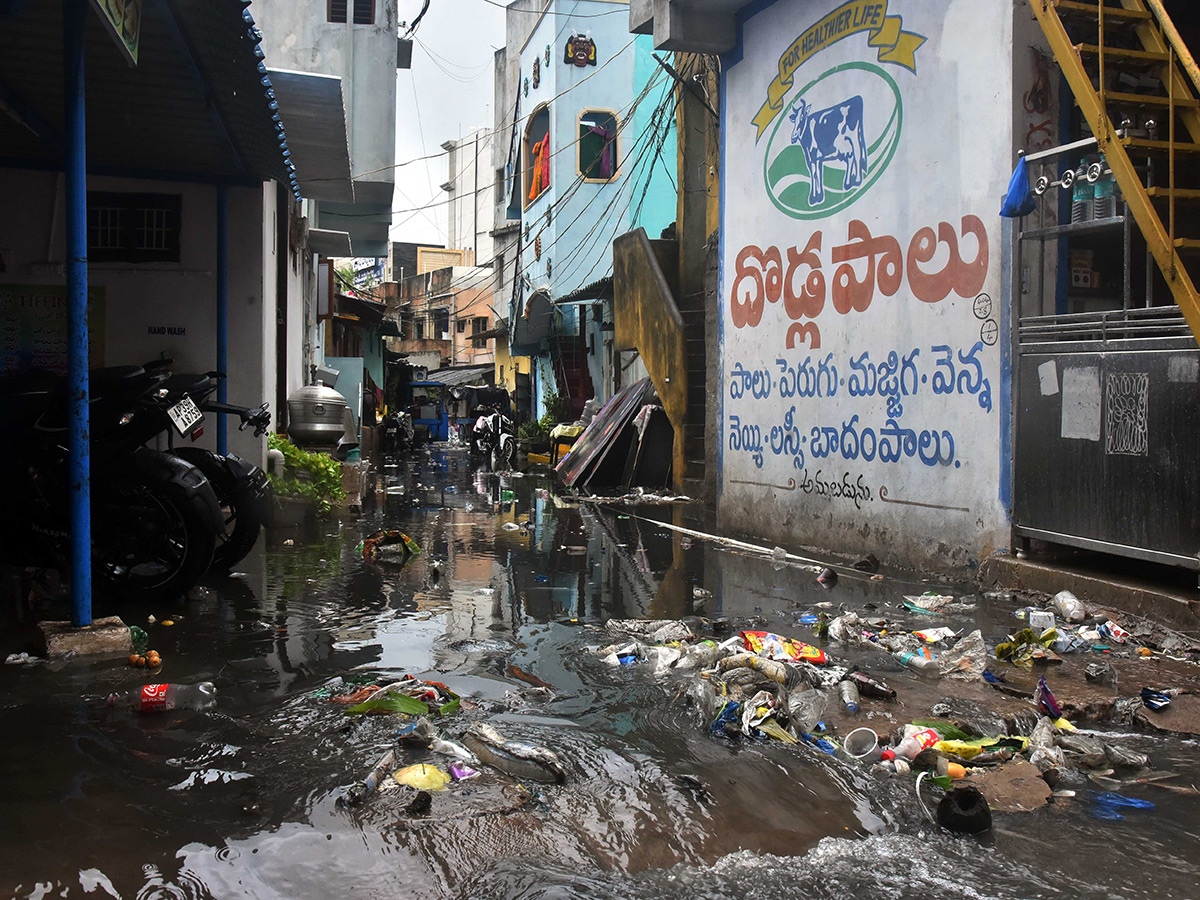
x=833 y=133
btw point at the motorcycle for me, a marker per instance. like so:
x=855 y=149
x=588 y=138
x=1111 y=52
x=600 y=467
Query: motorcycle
x=242 y=488
x=495 y=437
x=397 y=433
x=154 y=516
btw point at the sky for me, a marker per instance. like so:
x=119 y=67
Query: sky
x=446 y=94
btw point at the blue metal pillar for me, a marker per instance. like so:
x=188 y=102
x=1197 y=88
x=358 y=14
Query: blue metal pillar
x=75 y=14
x=222 y=310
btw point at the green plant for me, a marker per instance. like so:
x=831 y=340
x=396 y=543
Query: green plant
x=532 y=431
x=315 y=477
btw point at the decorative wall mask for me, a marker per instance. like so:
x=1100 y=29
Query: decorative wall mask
x=537 y=247
x=580 y=51
x=526 y=87
x=537 y=72
x=547 y=54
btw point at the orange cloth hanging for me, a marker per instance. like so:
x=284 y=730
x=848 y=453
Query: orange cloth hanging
x=541 y=168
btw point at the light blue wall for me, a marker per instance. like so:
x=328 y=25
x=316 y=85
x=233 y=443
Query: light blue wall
x=586 y=216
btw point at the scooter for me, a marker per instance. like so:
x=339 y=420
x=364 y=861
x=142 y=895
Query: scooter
x=397 y=433
x=154 y=516
x=495 y=435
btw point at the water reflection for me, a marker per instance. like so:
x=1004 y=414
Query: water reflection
x=511 y=587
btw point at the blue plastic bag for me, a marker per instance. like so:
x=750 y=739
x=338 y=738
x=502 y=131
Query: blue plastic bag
x=1020 y=199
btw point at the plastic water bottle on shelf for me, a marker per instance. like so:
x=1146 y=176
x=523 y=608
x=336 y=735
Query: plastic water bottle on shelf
x=1082 y=197
x=153 y=698
x=1104 y=206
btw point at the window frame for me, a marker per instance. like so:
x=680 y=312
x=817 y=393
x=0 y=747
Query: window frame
x=527 y=157
x=350 y=12
x=579 y=167
x=131 y=207
x=329 y=13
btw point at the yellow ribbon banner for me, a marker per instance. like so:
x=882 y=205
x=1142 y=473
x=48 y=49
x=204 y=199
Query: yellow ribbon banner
x=884 y=31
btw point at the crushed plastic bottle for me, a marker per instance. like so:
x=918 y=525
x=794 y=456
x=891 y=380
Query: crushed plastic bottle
x=917 y=662
x=848 y=694
x=153 y=698
x=1068 y=606
x=912 y=745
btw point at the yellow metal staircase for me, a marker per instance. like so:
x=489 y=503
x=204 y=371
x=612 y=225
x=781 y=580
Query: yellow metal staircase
x=1095 y=44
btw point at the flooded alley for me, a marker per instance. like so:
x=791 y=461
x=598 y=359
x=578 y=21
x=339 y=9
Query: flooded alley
x=503 y=607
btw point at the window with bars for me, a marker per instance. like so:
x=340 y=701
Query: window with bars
x=363 y=11
x=479 y=324
x=133 y=227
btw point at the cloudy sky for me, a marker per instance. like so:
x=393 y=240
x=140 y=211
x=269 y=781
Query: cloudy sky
x=447 y=93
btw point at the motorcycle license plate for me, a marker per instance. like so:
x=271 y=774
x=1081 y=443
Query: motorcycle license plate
x=185 y=415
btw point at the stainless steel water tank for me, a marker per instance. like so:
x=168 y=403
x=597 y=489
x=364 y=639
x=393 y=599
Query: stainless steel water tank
x=315 y=414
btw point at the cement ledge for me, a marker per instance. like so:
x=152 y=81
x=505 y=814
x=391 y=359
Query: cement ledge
x=1167 y=604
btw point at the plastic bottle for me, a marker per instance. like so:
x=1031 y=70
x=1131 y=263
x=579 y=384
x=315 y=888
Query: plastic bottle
x=912 y=745
x=848 y=694
x=152 y=698
x=870 y=687
x=917 y=662
x=1068 y=606
x=1105 y=190
x=1082 y=195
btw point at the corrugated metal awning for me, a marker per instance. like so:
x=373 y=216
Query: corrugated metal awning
x=194 y=108
x=314 y=111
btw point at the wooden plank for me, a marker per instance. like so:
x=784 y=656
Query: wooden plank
x=1149 y=146
x=1180 y=193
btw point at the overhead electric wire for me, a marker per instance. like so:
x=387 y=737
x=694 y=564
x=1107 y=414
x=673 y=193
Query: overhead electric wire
x=593 y=235
x=493 y=132
x=461 y=79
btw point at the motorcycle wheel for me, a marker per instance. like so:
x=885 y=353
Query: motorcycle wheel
x=242 y=526
x=149 y=544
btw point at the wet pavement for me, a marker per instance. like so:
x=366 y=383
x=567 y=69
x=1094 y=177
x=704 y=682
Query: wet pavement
x=243 y=800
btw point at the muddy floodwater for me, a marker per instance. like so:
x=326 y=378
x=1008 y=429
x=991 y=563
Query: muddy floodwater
x=243 y=800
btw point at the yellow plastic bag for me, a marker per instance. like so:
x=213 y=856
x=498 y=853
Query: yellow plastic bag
x=422 y=777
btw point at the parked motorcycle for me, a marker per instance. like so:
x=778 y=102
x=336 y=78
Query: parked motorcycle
x=154 y=516
x=495 y=437
x=242 y=488
x=397 y=433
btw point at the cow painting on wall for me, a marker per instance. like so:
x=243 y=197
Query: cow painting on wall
x=834 y=133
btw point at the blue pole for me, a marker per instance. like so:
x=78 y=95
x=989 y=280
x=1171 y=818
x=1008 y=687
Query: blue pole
x=222 y=310
x=74 y=26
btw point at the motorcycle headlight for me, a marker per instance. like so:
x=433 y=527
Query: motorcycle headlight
x=125 y=419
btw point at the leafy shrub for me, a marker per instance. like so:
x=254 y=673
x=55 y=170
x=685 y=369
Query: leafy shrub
x=315 y=477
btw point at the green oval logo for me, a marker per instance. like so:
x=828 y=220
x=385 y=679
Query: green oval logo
x=833 y=140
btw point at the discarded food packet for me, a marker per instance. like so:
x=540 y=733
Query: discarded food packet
x=1101 y=673
x=659 y=631
x=461 y=771
x=934 y=635
x=772 y=646
x=1155 y=700
x=1043 y=698
x=930 y=604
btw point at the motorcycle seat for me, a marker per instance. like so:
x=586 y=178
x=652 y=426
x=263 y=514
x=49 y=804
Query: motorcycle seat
x=184 y=383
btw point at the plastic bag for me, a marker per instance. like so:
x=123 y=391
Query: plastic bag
x=1082 y=750
x=967 y=659
x=1045 y=755
x=1020 y=199
x=807 y=708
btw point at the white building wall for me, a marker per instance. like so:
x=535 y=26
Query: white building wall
x=471 y=209
x=165 y=308
x=863 y=398
x=297 y=36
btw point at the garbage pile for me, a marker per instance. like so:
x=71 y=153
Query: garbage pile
x=757 y=685
x=424 y=758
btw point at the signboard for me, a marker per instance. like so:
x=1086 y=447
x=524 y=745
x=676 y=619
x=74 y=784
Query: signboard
x=123 y=21
x=33 y=327
x=867 y=144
